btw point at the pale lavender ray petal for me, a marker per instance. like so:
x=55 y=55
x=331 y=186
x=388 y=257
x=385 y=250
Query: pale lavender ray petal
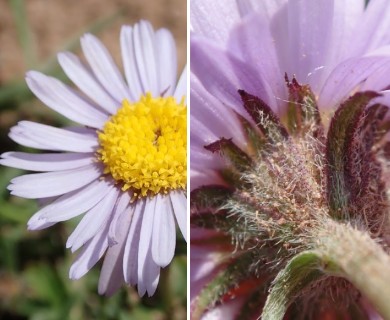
x=223 y=74
x=130 y=258
x=45 y=137
x=378 y=80
x=372 y=29
x=91 y=253
x=202 y=132
x=205 y=263
x=93 y=221
x=46 y=201
x=201 y=177
x=150 y=276
x=214 y=19
x=76 y=202
x=146 y=236
x=86 y=81
x=181 y=88
x=104 y=68
x=111 y=275
x=46 y=162
x=346 y=77
x=201 y=158
x=227 y=311
x=267 y=7
x=130 y=63
x=164 y=233
x=309 y=31
x=87 y=133
x=122 y=206
x=36 y=223
x=42 y=185
x=166 y=62
x=383 y=51
x=346 y=16
x=241 y=44
x=65 y=100
x=179 y=204
x=210 y=119
x=144 y=44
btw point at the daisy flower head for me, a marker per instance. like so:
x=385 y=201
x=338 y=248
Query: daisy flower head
x=123 y=168
x=289 y=159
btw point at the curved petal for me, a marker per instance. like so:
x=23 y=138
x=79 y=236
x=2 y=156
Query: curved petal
x=372 y=29
x=87 y=82
x=204 y=177
x=378 y=80
x=214 y=19
x=74 y=203
x=223 y=74
x=130 y=63
x=200 y=158
x=122 y=206
x=40 y=136
x=130 y=257
x=164 y=233
x=111 y=275
x=210 y=119
x=43 y=185
x=144 y=49
x=303 y=31
x=150 y=276
x=104 y=68
x=260 y=54
x=91 y=253
x=179 y=205
x=346 y=77
x=46 y=162
x=346 y=17
x=166 y=62
x=181 y=88
x=93 y=221
x=145 y=239
x=267 y=7
x=65 y=100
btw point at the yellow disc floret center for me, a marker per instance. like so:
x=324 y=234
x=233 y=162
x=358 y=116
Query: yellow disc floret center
x=143 y=146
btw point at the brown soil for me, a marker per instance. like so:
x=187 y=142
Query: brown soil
x=53 y=23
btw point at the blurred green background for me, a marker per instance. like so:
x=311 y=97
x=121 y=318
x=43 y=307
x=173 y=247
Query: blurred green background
x=34 y=266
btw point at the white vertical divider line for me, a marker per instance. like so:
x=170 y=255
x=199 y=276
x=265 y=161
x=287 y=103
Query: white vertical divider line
x=188 y=158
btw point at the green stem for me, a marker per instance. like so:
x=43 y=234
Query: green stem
x=354 y=255
x=165 y=288
x=23 y=31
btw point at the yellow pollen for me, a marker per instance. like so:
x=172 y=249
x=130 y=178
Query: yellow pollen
x=144 y=145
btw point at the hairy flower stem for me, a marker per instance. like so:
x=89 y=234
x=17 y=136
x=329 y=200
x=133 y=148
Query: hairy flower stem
x=354 y=255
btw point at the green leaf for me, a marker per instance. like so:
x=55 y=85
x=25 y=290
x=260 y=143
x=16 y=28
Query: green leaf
x=300 y=271
x=20 y=211
x=46 y=284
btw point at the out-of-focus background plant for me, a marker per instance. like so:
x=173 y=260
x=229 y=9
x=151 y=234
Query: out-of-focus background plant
x=34 y=266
